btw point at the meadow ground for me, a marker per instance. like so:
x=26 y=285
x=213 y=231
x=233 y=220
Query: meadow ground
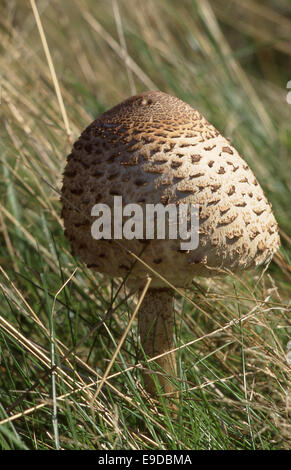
x=230 y=60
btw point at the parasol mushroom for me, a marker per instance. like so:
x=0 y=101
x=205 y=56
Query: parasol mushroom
x=155 y=149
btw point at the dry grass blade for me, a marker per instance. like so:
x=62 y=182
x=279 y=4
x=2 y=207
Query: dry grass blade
x=122 y=339
x=123 y=45
x=52 y=68
x=263 y=22
x=96 y=26
x=34 y=350
x=211 y=21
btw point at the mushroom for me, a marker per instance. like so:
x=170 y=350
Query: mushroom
x=155 y=149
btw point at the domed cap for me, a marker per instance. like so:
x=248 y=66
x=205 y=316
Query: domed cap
x=154 y=148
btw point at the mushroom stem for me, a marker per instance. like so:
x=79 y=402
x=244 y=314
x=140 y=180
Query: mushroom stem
x=156 y=328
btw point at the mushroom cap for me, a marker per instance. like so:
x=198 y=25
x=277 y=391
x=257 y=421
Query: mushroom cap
x=154 y=148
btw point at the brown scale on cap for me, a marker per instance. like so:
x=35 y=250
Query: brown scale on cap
x=154 y=148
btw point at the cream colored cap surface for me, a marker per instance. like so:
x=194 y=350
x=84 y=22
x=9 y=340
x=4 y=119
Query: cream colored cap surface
x=154 y=148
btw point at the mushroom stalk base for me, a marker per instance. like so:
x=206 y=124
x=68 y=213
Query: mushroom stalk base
x=156 y=329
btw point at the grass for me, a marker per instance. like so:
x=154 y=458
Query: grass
x=60 y=324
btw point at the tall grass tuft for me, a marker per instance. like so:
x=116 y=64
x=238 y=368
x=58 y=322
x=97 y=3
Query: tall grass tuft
x=62 y=64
